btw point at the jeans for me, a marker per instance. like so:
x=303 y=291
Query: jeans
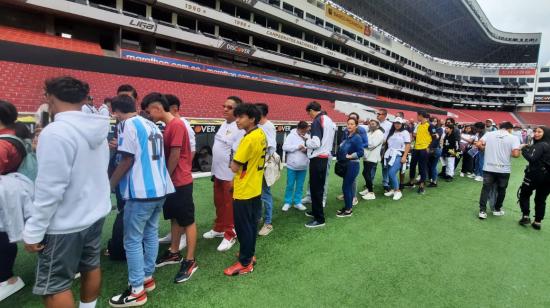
x=420 y=158
x=479 y=160
x=8 y=252
x=348 y=183
x=247 y=214
x=393 y=173
x=294 y=186
x=489 y=179
x=527 y=188
x=317 y=180
x=369 y=172
x=433 y=160
x=141 y=222
x=267 y=201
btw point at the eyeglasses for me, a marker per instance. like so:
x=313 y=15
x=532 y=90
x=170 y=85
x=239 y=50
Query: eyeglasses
x=227 y=107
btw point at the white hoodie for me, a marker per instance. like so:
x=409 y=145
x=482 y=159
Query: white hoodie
x=72 y=189
x=295 y=159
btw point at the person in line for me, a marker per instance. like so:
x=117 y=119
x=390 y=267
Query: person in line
x=144 y=183
x=537 y=177
x=398 y=146
x=225 y=144
x=425 y=132
x=10 y=159
x=351 y=150
x=174 y=103
x=105 y=108
x=385 y=125
x=450 y=151
x=466 y=141
x=89 y=107
x=127 y=89
x=478 y=158
x=267 y=198
x=296 y=165
x=319 y=146
x=248 y=165
x=179 y=207
x=435 y=152
x=372 y=158
x=410 y=128
x=499 y=147
x=71 y=199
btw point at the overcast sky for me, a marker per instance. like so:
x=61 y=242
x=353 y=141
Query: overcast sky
x=521 y=16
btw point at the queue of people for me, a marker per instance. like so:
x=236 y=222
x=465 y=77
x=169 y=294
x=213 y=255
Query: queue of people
x=148 y=168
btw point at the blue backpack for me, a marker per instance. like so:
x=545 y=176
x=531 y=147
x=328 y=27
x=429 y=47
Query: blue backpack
x=29 y=164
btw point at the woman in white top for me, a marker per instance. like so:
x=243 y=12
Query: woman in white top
x=372 y=158
x=297 y=163
x=398 y=146
x=466 y=141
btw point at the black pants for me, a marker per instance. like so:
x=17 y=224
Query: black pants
x=246 y=214
x=8 y=252
x=489 y=179
x=467 y=163
x=317 y=177
x=367 y=174
x=116 y=243
x=542 y=189
x=420 y=158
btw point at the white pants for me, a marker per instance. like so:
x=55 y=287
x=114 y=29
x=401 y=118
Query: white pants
x=450 y=166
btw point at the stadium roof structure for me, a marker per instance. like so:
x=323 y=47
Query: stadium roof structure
x=455 y=30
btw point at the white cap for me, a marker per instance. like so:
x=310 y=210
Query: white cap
x=399 y=120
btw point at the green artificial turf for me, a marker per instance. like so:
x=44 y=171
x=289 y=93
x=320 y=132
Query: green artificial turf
x=421 y=251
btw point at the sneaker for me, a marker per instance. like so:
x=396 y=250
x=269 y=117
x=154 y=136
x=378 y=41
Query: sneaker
x=344 y=213
x=397 y=195
x=386 y=188
x=340 y=197
x=300 y=207
x=314 y=224
x=536 y=225
x=461 y=174
x=498 y=213
x=364 y=192
x=369 y=196
x=286 y=207
x=167 y=239
x=355 y=201
x=238 y=269
x=149 y=285
x=265 y=230
x=525 y=220
x=187 y=269
x=471 y=176
x=128 y=299
x=309 y=214
x=389 y=193
x=168 y=258
x=306 y=200
x=410 y=184
x=212 y=234
x=7 y=289
x=479 y=178
x=226 y=244
x=432 y=184
x=421 y=191
x=482 y=215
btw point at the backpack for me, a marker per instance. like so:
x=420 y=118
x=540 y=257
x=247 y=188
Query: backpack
x=29 y=165
x=273 y=167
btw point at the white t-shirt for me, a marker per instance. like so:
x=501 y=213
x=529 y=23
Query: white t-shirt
x=88 y=109
x=191 y=133
x=104 y=110
x=386 y=125
x=271 y=135
x=398 y=140
x=498 y=151
x=226 y=141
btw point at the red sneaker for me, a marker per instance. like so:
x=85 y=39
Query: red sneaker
x=238 y=269
x=149 y=285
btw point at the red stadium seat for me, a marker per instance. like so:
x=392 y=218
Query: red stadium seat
x=471 y=116
x=46 y=40
x=535 y=118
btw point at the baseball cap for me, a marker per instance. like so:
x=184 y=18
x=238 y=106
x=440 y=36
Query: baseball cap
x=399 y=120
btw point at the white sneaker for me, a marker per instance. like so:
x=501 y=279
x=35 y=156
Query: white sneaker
x=482 y=215
x=340 y=197
x=461 y=174
x=389 y=193
x=212 y=234
x=364 y=192
x=300 y=207
x=471 y=176
x=286 y=207
x=167 y=239
x=226 y=244
x=306 y=200
x=498 y=213
x=479 y=178
x=369 y=196
x=355 y=201
x=397 y=195
x=7 y=289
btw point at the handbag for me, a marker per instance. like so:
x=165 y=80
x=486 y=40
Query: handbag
x=341 y=167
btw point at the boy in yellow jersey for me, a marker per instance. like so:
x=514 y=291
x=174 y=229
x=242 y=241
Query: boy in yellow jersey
x=423 y=135
x=248 y=166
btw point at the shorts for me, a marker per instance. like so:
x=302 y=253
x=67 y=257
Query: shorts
x=180 y=206
x=65 y=255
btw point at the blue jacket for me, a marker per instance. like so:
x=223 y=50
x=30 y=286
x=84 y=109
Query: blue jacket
x=351 y=145
x=362 y=132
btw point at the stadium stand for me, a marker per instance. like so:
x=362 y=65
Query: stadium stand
x=471 y=116
x=535 y=118
x=45 y=40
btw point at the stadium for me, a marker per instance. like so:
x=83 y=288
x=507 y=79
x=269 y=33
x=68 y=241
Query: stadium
x=442 y=57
